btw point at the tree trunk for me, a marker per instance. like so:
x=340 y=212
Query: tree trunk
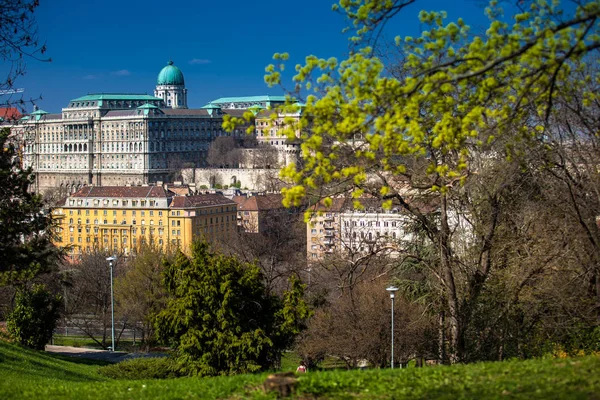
x=456 y=343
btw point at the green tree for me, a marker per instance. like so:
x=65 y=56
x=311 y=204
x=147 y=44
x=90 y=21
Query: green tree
x=139 y=290
x=26 y=229
x=457 y=101
x=220 y=318
x=33 y=319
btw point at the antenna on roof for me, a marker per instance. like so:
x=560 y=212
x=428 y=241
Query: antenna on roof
x=11 y=91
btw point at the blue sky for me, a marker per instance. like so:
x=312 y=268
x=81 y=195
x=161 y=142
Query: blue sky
x=222 y=47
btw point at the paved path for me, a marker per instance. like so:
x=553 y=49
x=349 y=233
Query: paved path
x=93 y=354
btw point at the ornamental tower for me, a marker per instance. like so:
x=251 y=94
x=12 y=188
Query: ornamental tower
x=170 y=86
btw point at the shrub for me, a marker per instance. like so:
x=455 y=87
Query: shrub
x=203 y=187
x=34 y=317
x=218 y=186
x=142 y=368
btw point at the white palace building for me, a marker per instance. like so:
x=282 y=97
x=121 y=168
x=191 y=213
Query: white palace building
x=126 y=139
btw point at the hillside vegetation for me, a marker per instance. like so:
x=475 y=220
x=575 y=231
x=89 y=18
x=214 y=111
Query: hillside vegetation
x=30 y=374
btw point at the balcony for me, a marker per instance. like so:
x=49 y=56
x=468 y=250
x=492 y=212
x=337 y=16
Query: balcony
x=329 y=234
x=328 y=225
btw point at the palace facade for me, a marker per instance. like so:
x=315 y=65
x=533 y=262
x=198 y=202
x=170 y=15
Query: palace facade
x=126 y=139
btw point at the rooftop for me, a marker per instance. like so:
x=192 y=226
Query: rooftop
x=260 y=202
x=121 y=191
x=170 y=75
x=117 y=96
x=247 y=99
x=8 y=113
x=200 y=200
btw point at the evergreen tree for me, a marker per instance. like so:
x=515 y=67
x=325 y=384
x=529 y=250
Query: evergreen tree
x=25 y=229
x=34 y=317
x=220 y=318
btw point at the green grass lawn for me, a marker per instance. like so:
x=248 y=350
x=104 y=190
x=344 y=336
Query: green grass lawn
x=29 y=374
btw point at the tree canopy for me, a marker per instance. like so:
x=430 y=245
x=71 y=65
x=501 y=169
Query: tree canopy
x=220 y=318
x=26 y=228
x=451 y=123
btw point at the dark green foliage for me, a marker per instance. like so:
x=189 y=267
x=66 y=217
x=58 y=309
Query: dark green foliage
x=25 y=229
x=220 y=318
x=142 y=368
x=34 y=317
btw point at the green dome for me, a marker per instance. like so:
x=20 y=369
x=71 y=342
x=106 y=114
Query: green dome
x=170 y=75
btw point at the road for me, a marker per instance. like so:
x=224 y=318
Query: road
x=93 y=354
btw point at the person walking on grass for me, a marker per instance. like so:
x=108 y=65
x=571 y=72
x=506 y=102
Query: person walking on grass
x=301 y=368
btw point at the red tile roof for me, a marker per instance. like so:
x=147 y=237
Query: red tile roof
x=121 y=191
x=200 y=200
x=260 y=202
x=9 y=113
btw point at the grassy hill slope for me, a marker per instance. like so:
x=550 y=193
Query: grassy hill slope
x=30 y=374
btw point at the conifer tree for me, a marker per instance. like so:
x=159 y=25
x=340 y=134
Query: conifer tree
x=25 y=227
x=221 y=319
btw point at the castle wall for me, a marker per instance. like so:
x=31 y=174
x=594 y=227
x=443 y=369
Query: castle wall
x=251 y=179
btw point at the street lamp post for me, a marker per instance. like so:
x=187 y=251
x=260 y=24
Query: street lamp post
x=111 y=260
x=392 y=290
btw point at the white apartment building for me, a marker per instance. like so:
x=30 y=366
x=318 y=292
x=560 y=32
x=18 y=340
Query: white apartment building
x=343 y=229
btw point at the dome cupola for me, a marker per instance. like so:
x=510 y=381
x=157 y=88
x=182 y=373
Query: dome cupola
x=170 y=75
x=170 y=87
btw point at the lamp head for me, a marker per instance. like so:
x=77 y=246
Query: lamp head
x=111 y=259
x=392 y=290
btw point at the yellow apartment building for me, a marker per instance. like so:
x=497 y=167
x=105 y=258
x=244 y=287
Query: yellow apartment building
x=120 y=218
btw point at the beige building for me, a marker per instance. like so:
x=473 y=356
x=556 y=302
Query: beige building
x=273 y=142
x=121 y=218
x=253 y=210
x=343 y=229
